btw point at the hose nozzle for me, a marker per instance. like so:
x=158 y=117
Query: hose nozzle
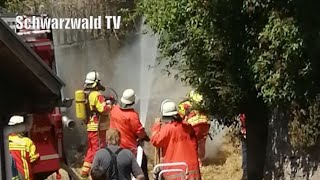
x=68 y=123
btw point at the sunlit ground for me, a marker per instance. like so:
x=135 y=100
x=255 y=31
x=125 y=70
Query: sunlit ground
x=225 y=165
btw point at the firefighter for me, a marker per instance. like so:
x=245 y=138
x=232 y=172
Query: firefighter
x=23 y=151
x=124 y=118
x=177 y=141
x=14 y=171
x=191 y=110
x=243 y=133
x=97 y=123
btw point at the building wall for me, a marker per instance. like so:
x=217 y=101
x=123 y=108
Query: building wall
x=120 y=66
x=282 y=162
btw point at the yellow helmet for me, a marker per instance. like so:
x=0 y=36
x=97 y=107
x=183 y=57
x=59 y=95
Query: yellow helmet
x=195 y=96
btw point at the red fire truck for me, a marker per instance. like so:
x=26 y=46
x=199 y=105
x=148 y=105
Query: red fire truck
x=47 y=129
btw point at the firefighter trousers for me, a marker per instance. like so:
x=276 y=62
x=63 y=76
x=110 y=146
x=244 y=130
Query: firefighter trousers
x=201 y=131
x=94 y=139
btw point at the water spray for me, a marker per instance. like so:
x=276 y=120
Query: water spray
x=146 y=79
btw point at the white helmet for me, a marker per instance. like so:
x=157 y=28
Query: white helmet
x=168 y=108
x=15 y=120
x=128 y=96
x=92 y=77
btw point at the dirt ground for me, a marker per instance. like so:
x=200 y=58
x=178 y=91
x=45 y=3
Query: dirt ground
x=226 y=165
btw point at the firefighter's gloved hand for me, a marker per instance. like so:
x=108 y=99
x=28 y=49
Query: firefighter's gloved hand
x=240 y=133
x=109 y=100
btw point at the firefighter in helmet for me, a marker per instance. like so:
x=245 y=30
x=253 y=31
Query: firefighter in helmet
x=23 y=151
x=243 y=132
x=177 y=141
x=191 y=109
x=124 y=118
x=97 y=118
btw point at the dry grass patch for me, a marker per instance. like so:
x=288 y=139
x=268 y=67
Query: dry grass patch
x=226 y=165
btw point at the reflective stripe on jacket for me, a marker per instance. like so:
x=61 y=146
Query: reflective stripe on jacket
x=100 y=108
x=178 y=144
x=193 y=116
x=183 y=108
x=128 y=123
x=24 y=153
x=15 y=178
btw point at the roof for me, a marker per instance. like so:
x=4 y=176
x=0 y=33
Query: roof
x=28 y=84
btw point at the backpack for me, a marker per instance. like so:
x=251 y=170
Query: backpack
x=112 y=171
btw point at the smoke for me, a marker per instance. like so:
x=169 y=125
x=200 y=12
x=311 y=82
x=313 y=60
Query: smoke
x=213 y=146
x=120 y=67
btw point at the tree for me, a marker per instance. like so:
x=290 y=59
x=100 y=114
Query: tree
x=234 y=51
x=2 y=2
x=249 y=56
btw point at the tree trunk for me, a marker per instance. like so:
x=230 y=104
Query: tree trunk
x=257 y=131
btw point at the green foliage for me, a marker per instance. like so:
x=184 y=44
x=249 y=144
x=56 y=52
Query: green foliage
x=14 y=6
x=234 y=51
x=26 y=6
x=188 y=40
x=277 y=62
x=2 y=3
x=78 y=9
